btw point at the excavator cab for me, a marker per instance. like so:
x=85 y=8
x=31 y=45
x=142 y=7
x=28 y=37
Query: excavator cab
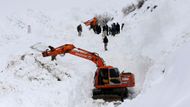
x=108 y=76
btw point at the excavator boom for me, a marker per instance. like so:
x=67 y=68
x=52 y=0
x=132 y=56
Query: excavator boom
x=71 y=49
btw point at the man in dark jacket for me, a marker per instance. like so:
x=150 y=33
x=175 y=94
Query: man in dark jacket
x=122 y=26
x=97 y=29
x=118 y=28
x=79 y=29
x=105 y=29
x=105 y=40
x=113 y=29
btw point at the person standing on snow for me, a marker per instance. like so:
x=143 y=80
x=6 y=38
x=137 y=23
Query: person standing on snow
x=113 y=29
x=122 y=26
x=105 y=40
x=105 y=30
x=79 y=29
x=118 y=28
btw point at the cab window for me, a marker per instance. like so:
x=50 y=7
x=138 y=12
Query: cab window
x=114 y=72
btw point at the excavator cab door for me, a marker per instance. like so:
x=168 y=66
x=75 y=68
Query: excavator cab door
x=103 y=76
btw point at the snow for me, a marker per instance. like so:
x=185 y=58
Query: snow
x=153 y=45
x=171 y=89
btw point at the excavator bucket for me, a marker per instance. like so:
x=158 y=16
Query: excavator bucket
x=115 y=94
x=45 y=53
x=53 y=52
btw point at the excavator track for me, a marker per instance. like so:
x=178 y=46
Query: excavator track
x=115 y=94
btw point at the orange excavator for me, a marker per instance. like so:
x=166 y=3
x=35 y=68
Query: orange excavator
x=108 y=82
x=91 y=22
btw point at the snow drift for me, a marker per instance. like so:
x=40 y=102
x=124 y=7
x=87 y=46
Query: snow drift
x=146 y=47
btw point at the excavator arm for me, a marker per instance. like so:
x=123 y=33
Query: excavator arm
x=71 y=49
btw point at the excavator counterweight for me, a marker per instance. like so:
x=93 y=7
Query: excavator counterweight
x=109 y=83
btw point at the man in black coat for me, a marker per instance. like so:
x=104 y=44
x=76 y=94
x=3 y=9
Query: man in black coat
x=118 y=28
x=105 y=29
x=105 y=40
x=79 y=29
x=113 y=29
x=97 y=29
x=122 y=26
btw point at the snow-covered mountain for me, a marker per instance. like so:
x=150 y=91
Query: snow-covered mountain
x=153 y=45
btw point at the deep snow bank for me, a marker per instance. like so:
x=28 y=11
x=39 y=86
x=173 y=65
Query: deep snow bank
x=161 y=32
x=172 y=89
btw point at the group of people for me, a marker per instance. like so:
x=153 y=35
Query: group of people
x=110 y=30
x=105 y=29
x=115 y=29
